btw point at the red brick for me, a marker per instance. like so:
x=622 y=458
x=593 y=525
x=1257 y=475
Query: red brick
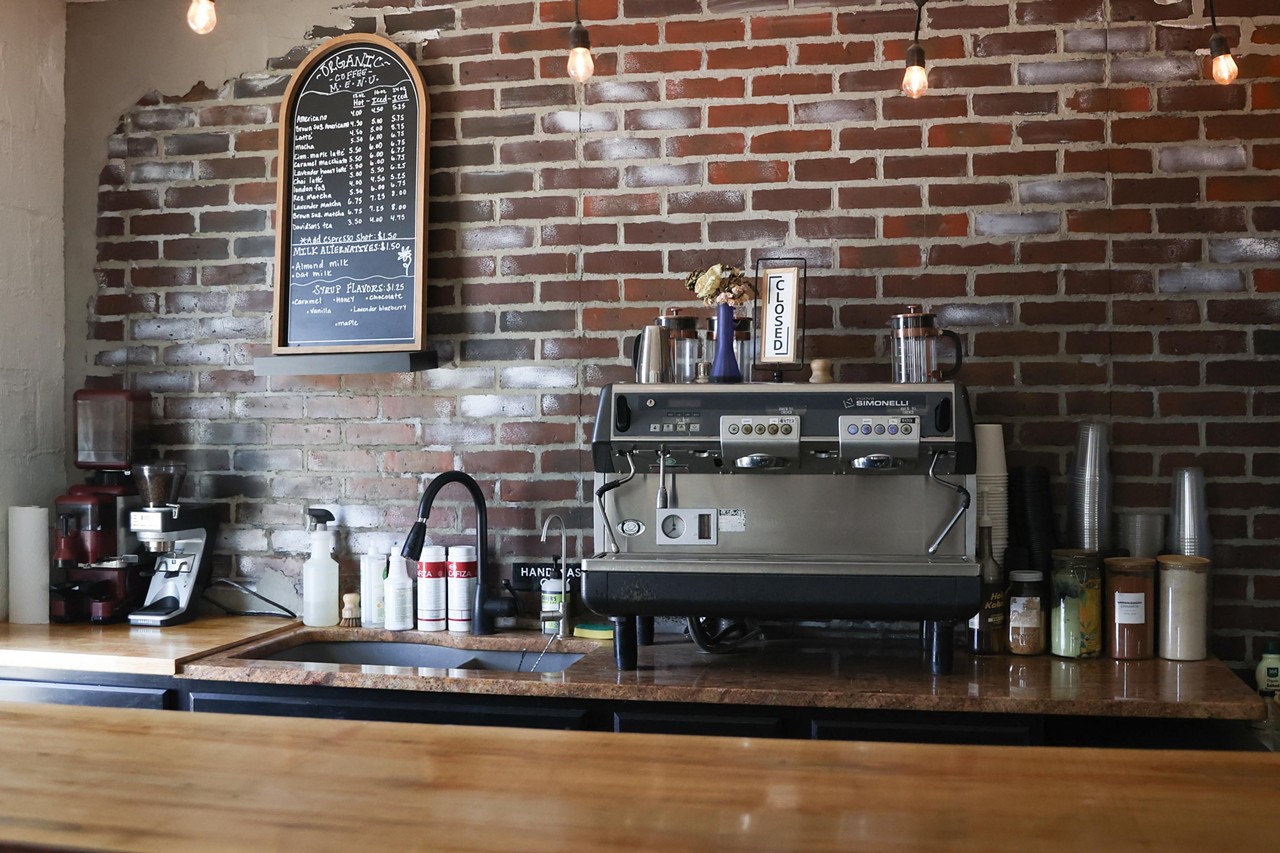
x=875 y=80
x=915 y=109
x=839 y=54
x=791 y=26
x=791 y=84
x=1201 y=220
x=1153 y=313
x=1119 y=161
x=1152 y=129
x=1134 y=100
x=1064 y=252
x=1021 y=43
x=836 y=169
x=980 y=254
x=1109 y=221
x=1014 y=103
x=1075 y=313
x=969 y=195
x=773 y=56
x=752 y=172
x=1256 y=126
x=1155 y=191
x=705 y=88
x=879 y=197
x=879 y=257
x=791 y=142
x=1201 y=98
x=747 y=115
x=923 y=287
x=1242 y=188
x=879 y=139
x=1021 y=283
x=969 y=135
x=862 y=23
x=927 y=225
x=1013 y=163
x=1061 y=132
x=707 y=144
x=705 y=32
x=1059 y=11
x=1156 y=251
x=925 y=166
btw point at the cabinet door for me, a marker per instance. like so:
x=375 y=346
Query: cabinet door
x=397 y=712
x=95 y=695
x=939 y=729
x=681 y=723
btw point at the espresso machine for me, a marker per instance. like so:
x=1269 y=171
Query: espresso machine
x=99 y=574
x=783 y=502
x=181 y=535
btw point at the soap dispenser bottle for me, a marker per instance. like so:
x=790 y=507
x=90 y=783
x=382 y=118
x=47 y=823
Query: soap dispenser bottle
x=320 y=574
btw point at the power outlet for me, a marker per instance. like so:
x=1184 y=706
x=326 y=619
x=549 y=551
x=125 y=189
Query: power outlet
x=527 y=577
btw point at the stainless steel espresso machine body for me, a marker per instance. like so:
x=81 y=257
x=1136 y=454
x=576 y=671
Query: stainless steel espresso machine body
x=774 y=501
x=181 y=535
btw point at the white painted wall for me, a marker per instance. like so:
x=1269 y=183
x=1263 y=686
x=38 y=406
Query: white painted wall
x=32 y=119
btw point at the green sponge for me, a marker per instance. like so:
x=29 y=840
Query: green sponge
x=593 y=632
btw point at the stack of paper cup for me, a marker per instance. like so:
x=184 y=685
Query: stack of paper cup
x=993 y=485
x=28 y=564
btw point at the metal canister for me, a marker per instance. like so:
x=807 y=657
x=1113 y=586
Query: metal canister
x=1075 y=602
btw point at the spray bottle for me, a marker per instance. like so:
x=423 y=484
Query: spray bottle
x=320 y=574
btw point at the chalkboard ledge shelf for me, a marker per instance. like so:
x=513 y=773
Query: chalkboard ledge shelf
x=334 y=364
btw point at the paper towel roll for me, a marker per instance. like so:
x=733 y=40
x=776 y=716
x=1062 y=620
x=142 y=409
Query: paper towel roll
x=28 y=564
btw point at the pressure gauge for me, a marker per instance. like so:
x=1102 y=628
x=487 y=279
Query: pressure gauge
x=672 y=526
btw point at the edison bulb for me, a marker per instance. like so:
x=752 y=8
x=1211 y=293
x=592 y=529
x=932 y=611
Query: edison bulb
x=915 y=82
x=1225 y=69
x=581 y=65
x=202 y=16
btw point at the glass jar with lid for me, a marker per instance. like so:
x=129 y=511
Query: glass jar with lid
x=1026 y=612
x=1075 y=620
x=1130 y=607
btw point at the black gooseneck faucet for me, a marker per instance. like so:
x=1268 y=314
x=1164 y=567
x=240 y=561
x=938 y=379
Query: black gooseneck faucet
x=483 y=608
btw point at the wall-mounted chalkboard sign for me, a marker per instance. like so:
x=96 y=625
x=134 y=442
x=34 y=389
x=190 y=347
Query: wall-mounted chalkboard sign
x=351 y=215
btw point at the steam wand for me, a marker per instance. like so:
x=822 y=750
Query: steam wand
x=604 y=512
x=965 y=499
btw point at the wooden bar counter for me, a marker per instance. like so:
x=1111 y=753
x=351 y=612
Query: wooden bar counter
x=116 y=779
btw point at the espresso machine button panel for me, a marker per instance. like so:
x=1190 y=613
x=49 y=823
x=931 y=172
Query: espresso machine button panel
x=760 y=442
x=880 y=442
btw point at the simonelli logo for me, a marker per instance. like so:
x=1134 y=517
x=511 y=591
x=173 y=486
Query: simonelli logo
x=875 y=403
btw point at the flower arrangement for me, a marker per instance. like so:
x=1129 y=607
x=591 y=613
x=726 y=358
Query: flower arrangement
x=721 y=284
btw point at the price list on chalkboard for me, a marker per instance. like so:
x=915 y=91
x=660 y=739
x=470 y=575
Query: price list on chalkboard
x=353 y=225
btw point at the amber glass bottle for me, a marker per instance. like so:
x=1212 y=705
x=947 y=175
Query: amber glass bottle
x=987 y=626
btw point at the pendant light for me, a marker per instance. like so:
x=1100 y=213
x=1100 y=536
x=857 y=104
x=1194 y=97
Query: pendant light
x=581 y=65
x=202 y=16
x=1224 y=65
x=915 y=82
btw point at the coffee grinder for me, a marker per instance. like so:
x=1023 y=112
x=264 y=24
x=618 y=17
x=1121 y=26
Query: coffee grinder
x=99 y=574
x=181 y=535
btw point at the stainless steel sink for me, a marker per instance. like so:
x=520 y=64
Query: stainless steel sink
x=424 y=655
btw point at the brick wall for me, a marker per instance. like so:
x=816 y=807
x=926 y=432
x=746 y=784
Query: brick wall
x=1073 y=196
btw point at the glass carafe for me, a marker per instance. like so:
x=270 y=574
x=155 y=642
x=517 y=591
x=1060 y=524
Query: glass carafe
x=914 y=346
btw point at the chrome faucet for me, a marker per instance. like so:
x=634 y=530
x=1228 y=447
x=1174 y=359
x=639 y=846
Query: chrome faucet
x=562 y=613
x=486 y=605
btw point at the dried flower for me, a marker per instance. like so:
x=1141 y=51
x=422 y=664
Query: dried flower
x=721 y=284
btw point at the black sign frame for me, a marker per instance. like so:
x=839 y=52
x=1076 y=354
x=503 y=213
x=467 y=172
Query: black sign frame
x=295 y=239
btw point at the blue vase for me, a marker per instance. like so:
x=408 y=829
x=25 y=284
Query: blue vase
x=724 y=367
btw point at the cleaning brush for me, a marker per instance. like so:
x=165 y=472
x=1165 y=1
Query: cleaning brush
x=350 y=611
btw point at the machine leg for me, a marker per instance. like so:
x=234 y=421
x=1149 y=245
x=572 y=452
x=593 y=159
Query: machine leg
x=939 y=646
x=644 y=630
x=624 y=642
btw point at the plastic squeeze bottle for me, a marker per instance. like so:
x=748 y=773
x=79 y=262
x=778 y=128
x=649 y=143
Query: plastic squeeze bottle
x=398 y=595
x=1268 y=672
x=320 y=575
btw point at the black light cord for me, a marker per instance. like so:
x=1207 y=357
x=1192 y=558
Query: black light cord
x=919 y=15
x=1213 y=16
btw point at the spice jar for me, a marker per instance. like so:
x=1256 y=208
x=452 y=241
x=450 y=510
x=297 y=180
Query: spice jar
x=1184 y=607
x=1130 y=607
x=1075 y=620
x=1026 y=612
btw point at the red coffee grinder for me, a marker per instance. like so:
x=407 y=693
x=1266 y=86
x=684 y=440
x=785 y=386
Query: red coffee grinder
x=99 y=573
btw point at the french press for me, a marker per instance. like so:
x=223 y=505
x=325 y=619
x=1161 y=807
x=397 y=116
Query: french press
x=914 y=339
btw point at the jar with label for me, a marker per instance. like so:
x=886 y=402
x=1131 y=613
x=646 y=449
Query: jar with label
x=1075 y=620
x=1026 y=612
x=1130 y=607
x=1184 y=607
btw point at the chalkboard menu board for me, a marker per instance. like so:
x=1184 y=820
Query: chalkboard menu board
x=352 y=207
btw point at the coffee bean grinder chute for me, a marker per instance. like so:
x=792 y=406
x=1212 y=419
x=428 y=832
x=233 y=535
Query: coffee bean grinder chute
x=98 y=572
x=181 y=536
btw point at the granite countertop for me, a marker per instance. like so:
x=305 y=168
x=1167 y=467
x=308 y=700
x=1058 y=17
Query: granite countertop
x=117 y=779
x=800 y=673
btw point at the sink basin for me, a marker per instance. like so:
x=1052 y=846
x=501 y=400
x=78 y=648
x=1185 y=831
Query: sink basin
x=424 y=655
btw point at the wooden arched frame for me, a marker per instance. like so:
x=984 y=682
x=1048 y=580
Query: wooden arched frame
x=288 y=247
